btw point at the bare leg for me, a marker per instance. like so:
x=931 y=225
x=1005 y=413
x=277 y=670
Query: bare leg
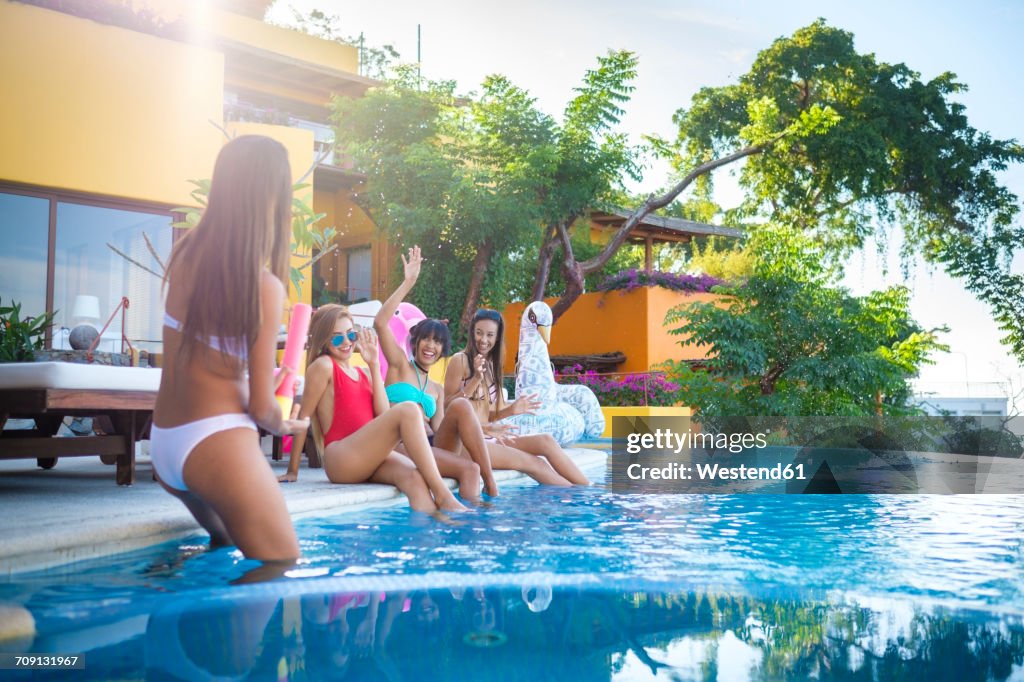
x=533 y=466
x=461 y=423
x=227 y=473
x=543 y=444
x=204 y=514
x=400 y=472
x=354 y=459
x=462 y=469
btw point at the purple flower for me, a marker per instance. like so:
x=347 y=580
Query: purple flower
x=628 y=280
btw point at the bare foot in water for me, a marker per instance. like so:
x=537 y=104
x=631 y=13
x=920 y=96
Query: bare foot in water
x=491 y=486
x=452 y=505
x=288 y=477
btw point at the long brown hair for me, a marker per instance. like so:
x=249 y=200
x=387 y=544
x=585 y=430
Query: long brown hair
x=321 y=329
x=244 y=229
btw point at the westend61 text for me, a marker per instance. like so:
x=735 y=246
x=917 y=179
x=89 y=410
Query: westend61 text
x=710 y=472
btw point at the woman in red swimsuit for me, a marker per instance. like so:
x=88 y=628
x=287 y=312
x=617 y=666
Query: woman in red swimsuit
x=362 y=430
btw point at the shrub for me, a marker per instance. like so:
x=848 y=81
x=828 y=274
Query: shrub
x=20 y=338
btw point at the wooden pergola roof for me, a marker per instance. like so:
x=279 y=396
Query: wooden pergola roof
x=661 y=228
x=656 y=228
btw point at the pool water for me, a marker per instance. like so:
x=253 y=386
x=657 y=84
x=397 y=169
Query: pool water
x=548 y=583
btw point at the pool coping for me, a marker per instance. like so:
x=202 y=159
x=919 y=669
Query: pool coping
x=75 y=511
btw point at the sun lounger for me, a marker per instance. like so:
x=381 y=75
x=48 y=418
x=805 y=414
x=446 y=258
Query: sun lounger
x=120 y=399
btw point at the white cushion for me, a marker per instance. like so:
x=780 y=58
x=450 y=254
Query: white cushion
x=78 y=376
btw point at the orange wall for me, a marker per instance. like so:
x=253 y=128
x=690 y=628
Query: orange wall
x=604 y=322
x=354 y=229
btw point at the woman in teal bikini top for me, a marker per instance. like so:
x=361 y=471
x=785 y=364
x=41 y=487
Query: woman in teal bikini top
x=455 y=424
x=403 y=392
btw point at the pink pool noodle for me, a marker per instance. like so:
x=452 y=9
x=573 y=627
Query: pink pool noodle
x=294 y=349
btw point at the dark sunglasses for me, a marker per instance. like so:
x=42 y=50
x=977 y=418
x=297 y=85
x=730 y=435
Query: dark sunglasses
x=487 y=314
x=339 y=339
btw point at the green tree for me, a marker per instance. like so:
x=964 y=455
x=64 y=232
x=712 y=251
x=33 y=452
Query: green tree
x=897 y=153
x=790 y=342
x=473 y=179
x=732 y=262
x=592 y=158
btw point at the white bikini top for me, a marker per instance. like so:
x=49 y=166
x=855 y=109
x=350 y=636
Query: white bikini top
x=233 y=346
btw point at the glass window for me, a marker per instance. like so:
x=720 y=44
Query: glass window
x=360 y=274
x=24 y=233
x=87 y=269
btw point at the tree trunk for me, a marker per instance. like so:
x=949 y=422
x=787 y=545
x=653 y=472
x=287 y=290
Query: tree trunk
x=653 y=203
x=574 y=288
x=767 y=382
x=547 y=254
x=476 y=283
x=574 y=276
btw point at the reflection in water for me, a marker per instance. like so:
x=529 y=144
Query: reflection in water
x=537 y=633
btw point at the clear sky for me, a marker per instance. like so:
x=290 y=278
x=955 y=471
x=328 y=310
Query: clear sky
x=546 y=45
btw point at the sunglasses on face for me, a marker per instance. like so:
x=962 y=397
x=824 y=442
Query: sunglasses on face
x=339 y=339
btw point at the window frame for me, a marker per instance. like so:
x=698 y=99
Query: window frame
x=57 y=196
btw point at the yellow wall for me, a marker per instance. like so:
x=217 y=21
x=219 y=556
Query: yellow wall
x=284 y=41
x=605 y=322
x=103 y=110
x=209 y=22
x=299 y=144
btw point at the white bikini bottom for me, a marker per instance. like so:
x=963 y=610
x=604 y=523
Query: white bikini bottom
x=169 y=448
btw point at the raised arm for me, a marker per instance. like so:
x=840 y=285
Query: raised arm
x=455 y=374
x=392 y=351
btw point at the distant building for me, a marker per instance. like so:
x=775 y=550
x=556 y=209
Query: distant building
x=992 y=406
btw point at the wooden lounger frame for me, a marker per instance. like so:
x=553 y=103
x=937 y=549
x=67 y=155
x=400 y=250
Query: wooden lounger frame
x=123 y=416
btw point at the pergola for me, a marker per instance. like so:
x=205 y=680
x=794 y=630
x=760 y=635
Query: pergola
x=659 y=228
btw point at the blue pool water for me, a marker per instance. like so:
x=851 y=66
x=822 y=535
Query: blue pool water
x=582 y=583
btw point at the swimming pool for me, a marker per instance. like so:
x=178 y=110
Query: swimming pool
x=570 y=584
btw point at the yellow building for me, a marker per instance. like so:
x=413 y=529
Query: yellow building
x=111 y=108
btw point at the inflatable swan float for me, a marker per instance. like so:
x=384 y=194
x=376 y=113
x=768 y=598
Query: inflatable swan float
x=567 y=412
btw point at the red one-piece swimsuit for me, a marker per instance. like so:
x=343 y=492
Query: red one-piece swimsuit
x=353 y=404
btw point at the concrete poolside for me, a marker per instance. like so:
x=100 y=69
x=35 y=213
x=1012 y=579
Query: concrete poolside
x=76 y=511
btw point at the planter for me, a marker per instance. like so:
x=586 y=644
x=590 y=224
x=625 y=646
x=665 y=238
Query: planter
x=610 y=412
x=81 y=357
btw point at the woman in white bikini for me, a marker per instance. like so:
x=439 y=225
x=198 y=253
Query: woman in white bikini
x=225 y=296
x=474 y=373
